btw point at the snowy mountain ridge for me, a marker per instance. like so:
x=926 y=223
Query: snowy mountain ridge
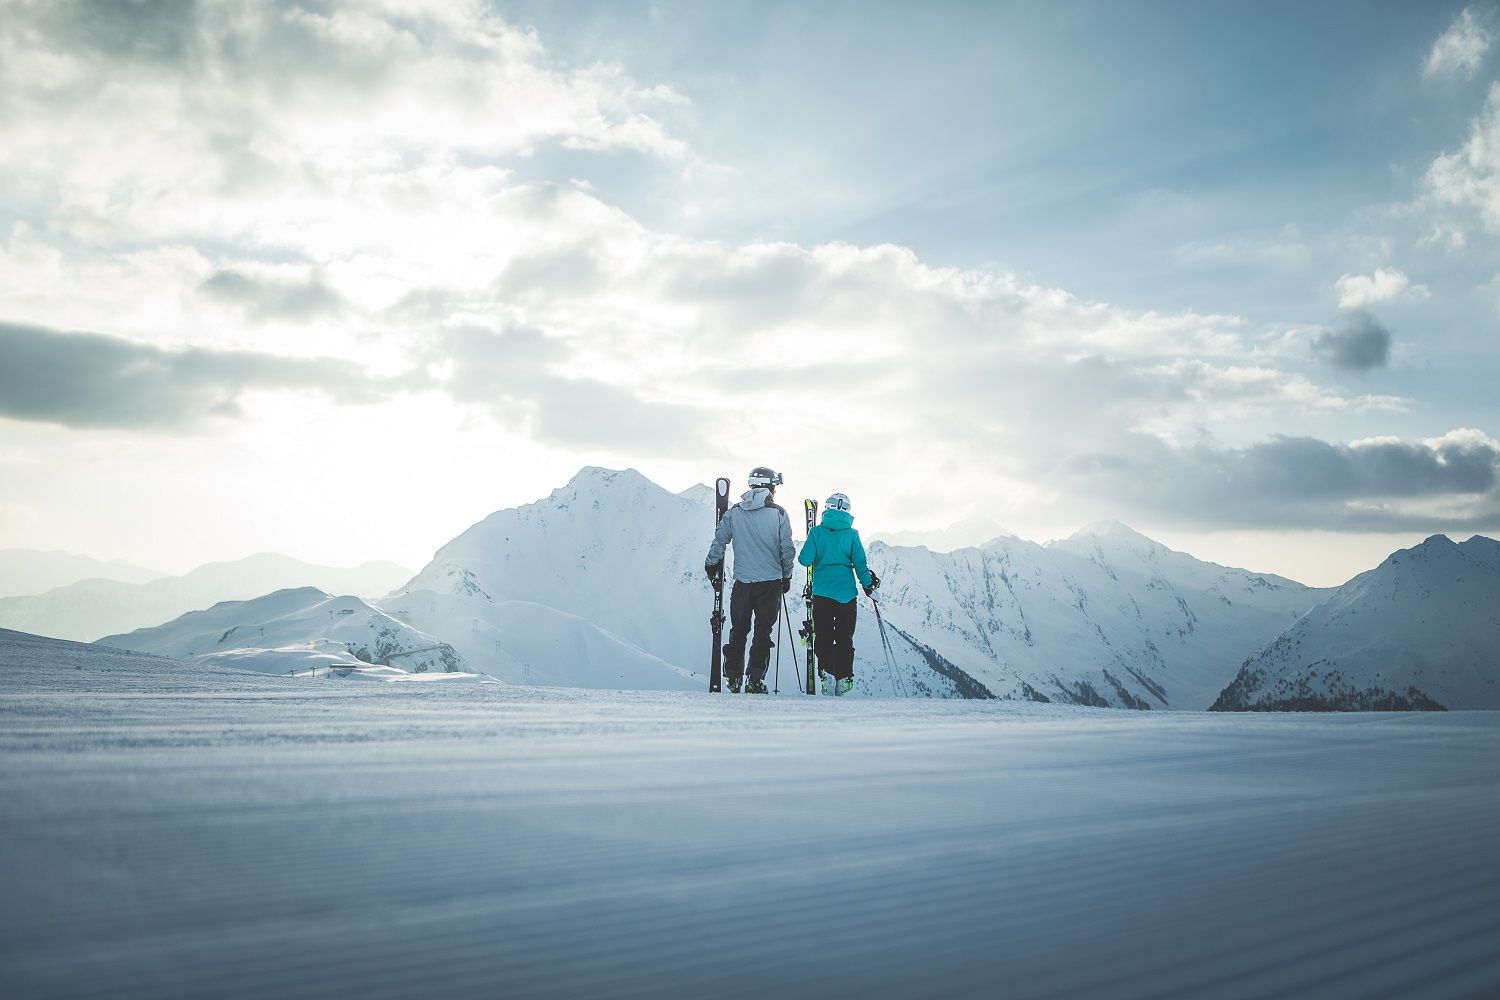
x=1107 y=617
x=600 y=585
x=296 y=630
x=1419 y=631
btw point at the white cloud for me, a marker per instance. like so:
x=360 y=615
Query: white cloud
x=1446 y=236
x=1388 y=483
x=255 y=114
x=1460 y=50
x=348 y=186
x=1356 y=290
x=1466 y=183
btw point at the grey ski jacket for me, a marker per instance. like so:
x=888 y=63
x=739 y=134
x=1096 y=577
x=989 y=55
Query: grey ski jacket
x=762 y=537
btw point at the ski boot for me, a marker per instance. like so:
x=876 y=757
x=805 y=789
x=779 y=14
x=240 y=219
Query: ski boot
x=757 y=687
x=825 y=682
x=844 y=686
x=735 y=683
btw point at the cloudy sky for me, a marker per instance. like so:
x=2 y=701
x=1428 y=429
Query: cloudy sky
x=339 y=279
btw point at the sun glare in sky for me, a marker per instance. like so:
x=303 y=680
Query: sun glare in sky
x=340 y=280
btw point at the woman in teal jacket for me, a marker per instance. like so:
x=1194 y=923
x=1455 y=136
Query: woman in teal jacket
x=837 y=556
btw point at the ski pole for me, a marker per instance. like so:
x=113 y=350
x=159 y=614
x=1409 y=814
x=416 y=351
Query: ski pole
x=890 y=655
x=776 y=684
x=786 y=613
x=885 y=642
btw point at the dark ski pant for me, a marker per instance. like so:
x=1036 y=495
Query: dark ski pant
x=762 y=602
x=833 y=636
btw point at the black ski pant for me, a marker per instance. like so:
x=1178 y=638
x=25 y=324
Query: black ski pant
x=833 y=635
x=760 y=601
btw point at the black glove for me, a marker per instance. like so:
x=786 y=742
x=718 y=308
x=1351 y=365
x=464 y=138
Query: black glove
x=874 y=583
x=786 y=584
x=712 y=569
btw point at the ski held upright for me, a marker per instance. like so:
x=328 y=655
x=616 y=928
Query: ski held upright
x=809 y=508
x=716 y=620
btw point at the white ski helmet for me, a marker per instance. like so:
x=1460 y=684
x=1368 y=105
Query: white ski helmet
x=765 y=476
x=839 y=501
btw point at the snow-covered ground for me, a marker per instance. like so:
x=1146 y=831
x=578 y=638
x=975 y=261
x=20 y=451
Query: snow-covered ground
x=182 y=829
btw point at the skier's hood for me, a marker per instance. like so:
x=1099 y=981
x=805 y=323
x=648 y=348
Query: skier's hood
x=755 y=498
x=837 y=520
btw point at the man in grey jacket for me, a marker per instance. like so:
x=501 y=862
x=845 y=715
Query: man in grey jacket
x=764 y=558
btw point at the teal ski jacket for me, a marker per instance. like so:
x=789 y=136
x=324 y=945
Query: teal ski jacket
x=837 y=556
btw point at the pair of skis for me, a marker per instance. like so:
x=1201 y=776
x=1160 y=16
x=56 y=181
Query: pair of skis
x=807 y=632
x=716 y=620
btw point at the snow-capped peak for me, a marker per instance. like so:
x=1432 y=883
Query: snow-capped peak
x=1433 y=551
x=1434 y=543
x=593 y=479
x=1112 y=531
x=699 y=493
x=1485 y=551
x=1113 y=540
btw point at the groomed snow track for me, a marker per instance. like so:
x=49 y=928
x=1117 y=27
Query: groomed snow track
x=171 y=832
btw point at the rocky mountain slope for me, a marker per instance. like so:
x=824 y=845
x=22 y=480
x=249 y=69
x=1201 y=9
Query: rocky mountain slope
x=1420 y=631
x=1107 y=617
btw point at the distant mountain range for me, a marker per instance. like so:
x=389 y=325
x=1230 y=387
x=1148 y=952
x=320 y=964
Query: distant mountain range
x=1106 y=618
x=600 y=584
x=88 y=609
x=30 y=571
